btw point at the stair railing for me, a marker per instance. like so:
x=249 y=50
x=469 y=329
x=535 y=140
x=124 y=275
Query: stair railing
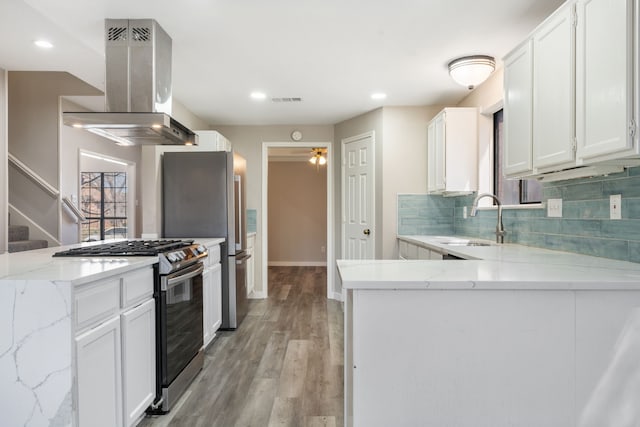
x=27 y=171
x=74 y=209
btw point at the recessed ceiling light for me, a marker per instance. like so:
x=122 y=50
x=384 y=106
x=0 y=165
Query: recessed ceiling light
x=378 y=95
x=45 y=44
x=258 y=95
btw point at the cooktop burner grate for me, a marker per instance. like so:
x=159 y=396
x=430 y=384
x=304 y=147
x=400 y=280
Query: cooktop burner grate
x=127 y=248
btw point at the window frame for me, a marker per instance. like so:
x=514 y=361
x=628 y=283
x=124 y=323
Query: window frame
x=497 y=117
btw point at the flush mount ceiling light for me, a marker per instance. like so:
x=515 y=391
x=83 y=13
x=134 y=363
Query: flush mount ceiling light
x=44 y=44
x=258 y=95
x=378 y=95
x=470 y=71
x=318 y=157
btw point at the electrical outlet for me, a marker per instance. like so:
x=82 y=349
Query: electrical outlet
x=464 y=212
x=554 y=208
x=615 y=206
x=322 y=249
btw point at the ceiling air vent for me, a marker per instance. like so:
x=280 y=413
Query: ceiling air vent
x=286 y=99
x=117 y=34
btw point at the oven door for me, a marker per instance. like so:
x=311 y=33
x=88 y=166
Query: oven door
x=180 y=320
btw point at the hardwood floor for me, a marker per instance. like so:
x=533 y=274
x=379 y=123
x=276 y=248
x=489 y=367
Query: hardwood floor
x=282 y=367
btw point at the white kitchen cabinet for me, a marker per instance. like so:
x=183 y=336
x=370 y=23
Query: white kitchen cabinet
x=115 y=349
x=99 y=376
x=553 y=91
x=431 y=154
x=518 y=106
x=452 y=146
x=606 y=122
x=251 y=243
x=138 y=360
x=411 y=251
x=212 y=294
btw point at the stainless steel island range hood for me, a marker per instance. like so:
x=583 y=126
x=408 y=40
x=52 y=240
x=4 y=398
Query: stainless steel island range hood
x=137 y=88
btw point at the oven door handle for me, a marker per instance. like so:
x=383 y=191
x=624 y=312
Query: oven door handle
x=181 y=276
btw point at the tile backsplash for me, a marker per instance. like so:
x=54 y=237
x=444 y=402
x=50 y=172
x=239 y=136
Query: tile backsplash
x=584 y=228
x=252 y=218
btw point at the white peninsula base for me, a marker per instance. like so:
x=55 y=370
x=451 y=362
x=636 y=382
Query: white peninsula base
x=457 y=354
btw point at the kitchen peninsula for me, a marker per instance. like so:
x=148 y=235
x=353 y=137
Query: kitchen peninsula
x=507 y=336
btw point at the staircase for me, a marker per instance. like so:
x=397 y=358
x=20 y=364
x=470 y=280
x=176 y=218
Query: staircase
x=19 y=239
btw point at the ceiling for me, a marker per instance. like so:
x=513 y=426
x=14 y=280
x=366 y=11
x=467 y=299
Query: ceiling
x=331 y=53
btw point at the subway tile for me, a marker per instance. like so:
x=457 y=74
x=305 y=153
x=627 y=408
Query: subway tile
x=584 y=191
x=621 y=229
x=586 y=209
x=630 y=208
x=629 y=187
x=634 y=252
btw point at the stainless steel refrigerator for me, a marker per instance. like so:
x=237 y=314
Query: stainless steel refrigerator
x=203 y=195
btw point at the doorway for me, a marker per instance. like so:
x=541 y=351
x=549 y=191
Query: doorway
x=301 y=152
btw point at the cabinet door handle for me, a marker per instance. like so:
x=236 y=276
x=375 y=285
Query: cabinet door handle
x=367 y=232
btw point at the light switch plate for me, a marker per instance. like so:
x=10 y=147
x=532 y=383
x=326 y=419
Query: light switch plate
x=554 y=208
x=464 y=212
x=615 y=206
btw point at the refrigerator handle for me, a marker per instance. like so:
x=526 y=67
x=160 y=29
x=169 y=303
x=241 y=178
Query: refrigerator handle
x=238 y=184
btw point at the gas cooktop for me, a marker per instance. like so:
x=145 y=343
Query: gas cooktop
x=127 y=248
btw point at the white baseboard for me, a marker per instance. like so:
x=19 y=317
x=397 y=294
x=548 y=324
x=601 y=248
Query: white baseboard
x=336 y=296
x=297 y=264
x=256 y=295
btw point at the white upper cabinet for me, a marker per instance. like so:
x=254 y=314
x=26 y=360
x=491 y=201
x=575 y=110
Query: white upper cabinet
x=431 y=155
x=452 y=147
x=604 y=77
x=518 y=104
x=553 y=91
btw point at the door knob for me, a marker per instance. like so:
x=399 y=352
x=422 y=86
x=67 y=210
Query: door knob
x=367 y=232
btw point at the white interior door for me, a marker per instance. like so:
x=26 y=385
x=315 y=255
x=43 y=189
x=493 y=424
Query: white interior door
x=358 y=189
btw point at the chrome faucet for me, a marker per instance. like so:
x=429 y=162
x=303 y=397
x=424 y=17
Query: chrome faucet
x=500 y=233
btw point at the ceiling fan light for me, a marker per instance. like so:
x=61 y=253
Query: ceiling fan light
x=470 y=71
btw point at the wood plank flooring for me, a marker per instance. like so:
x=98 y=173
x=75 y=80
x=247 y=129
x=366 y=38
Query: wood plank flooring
x=282 y=367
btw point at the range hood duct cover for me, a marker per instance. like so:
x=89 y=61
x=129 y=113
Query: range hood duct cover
x=137 y=88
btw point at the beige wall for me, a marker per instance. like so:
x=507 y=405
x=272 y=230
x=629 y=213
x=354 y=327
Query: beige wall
x=488 y=98
x=297 y=213
x=247 y=141
x=186 y=117
x=33 y=131
x=4 y=200
x=404 y=164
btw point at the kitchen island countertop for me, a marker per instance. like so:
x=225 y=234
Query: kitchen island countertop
x=506 y=266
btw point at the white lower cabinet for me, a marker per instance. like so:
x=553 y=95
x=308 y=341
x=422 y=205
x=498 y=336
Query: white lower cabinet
x=99 y=376
x=115 y=350
x=211 y=295
x=408 y=251
x=138 y=360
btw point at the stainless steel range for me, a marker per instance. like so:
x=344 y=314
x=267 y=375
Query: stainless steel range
x=178 y=295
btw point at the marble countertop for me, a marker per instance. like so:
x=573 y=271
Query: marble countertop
x=506 y=266
x=39 y=264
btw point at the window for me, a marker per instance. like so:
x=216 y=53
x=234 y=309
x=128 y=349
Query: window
x=510 y=191
x=104 y=204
